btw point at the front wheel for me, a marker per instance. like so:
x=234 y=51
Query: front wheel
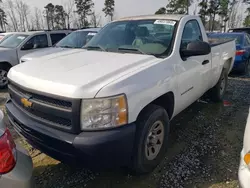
x=3 y=76
x=151 y=139
x=218 y=91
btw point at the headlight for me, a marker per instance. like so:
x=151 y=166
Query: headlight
x=104 y=113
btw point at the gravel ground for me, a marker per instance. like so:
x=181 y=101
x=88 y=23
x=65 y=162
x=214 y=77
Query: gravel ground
x=204 y=150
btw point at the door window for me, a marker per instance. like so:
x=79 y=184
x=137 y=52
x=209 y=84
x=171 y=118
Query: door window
x=191 y=32
x=56 y=37
x=38 y=41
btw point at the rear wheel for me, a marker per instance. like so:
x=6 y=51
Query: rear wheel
x=151 y=139
x=217 y=93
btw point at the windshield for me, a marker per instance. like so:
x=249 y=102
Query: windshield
x=238 y=37
x=135 y=36
x=13 y=41
x=76 y=39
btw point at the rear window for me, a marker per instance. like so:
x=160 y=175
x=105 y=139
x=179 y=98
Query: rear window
x=55 y=37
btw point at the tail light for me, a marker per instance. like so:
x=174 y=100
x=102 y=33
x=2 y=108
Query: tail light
x=240 y=52
x=7 y=153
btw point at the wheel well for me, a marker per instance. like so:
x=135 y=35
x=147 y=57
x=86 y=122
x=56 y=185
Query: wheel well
x=228 y=64
x=5 y=65
x=166 y=101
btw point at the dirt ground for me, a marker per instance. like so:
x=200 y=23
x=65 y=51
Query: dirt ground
x=204 y=150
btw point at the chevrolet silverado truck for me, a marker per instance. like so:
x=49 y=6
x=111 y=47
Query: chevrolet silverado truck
x=111 y=103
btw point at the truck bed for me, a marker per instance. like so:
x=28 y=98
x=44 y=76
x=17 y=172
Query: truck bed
x=217 y=41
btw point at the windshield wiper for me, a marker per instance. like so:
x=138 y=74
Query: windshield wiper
x=65 y=46
x=95 y=47
x=131 y=49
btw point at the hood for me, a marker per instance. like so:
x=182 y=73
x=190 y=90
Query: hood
x=43 y=52
x=79 y=74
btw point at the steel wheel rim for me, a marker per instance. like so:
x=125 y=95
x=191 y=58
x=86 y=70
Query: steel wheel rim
x=3 y=77
x=222 y=85
x=154 y=140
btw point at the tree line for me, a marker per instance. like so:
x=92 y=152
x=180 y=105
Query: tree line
x=215 y=14
x=16 y=15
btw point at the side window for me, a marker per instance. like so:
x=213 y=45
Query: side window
x=56 y=37
x=191 y=32
x=38 y=41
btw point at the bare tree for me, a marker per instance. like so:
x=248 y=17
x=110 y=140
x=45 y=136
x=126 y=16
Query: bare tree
x=37 y=19
x=23 y=13
x=69 y=8
x=95 y=19
x=10 y=7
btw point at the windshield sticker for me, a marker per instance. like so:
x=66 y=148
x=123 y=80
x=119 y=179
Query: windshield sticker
x=21 y=37
x=165 y=22
x=91 y=34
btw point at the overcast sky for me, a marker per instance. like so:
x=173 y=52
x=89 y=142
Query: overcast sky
x=123 y=7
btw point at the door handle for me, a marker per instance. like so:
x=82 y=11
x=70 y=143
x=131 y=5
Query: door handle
x=205 y=62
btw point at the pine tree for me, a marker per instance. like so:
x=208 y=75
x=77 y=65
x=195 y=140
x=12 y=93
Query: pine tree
x=203 y=10
x=109 y=8
x=179 y=6
x=161 y=10
x=50 y=14
x=84 y=9
x=223 y=12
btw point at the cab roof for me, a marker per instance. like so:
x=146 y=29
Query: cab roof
x=175 y=17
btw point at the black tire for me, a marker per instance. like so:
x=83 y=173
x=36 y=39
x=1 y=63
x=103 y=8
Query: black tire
x=151 y=114
x=246 y=65
x=5 y=68
x=216 y=94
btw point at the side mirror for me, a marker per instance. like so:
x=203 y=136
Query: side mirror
x=28 y=46
x=196 y=48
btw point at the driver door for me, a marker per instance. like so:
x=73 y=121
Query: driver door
x=195 y=69
x=35 y=43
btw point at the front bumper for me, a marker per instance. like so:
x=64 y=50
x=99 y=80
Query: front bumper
x=92 y=149
x=244 y=173
x=21 y=176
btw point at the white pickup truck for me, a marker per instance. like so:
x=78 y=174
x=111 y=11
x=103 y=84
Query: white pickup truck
x=111 y=104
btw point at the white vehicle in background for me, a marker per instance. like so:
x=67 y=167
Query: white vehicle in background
x=74 y=40
x=244 y=169
x=111 y=103
x=22 y=43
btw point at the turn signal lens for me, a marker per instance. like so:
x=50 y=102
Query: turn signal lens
x=247 y=158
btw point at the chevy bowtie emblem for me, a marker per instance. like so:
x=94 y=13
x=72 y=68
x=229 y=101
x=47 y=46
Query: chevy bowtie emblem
x=26 y=102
